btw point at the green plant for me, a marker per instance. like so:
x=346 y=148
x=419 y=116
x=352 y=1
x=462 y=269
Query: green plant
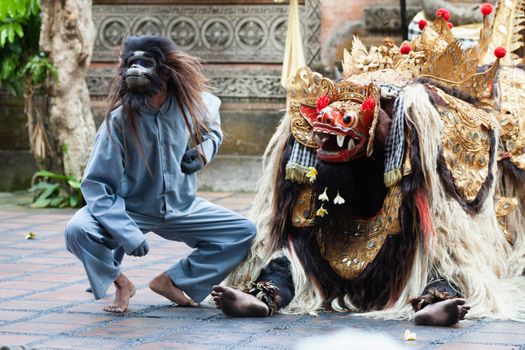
x=55 y=190
x=21 y=61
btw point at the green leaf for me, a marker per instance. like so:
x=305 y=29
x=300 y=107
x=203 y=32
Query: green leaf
x=73 y=201
x=3 y=35
x=75 y=184
x=64 y=148
x=18 y=29
x=57 y=201
x=41 y=203
x=3 y=10
x=40 y=186
x=11 y=34
x=50 y=175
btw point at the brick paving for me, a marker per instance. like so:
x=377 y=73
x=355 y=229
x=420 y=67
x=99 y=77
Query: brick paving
x=43 y=303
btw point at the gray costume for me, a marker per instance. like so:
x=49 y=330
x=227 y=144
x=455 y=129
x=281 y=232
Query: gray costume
x=124 y=201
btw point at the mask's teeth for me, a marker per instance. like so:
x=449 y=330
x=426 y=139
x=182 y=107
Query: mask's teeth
x=340 y=140
x=351 y=144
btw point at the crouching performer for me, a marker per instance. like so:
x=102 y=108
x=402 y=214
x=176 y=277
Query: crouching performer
x=161 y=128
x=378 y=193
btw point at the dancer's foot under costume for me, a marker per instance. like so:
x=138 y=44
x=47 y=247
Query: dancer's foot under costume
x=379 y=191
x=136 y=185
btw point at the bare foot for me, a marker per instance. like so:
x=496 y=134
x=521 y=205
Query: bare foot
x=163 y=285
x=125 y=291
x=444 y=313
x=233 y=302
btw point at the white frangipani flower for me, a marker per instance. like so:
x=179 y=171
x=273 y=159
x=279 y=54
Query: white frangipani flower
x=338 y=199
x=323 y=196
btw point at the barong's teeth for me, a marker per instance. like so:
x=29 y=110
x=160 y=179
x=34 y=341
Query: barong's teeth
x=340 y=140
x=351 y=144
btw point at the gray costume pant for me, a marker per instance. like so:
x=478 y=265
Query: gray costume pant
x=221 y=237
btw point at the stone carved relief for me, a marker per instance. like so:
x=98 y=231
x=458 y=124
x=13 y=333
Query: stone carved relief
x=217 y=34
x=184 y=32
x=387 y=18
x=224 y=83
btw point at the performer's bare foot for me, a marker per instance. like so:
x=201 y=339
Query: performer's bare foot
x=233 y=302
x=443 y=313
x=163 y=285
x=125 y=291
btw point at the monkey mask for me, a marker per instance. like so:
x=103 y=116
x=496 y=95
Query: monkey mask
x=142 y=67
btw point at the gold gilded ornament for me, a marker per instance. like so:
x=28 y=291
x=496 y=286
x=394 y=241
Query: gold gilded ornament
x=511 y=82
x=350 y=246
x=504 y=206
x=303 y=213
x=465 y=141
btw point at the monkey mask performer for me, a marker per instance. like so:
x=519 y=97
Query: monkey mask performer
x=378 y=194
x=161 y=128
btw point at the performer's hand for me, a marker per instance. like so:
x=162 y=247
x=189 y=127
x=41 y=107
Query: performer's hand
x=190 y=162
x=141 y=250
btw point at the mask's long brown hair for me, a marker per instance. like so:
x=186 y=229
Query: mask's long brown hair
x=184 y=80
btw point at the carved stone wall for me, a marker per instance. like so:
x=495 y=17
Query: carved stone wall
x=240 y=34
x=230 y=83
x=384 y=19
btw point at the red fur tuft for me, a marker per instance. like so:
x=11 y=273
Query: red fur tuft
x=322 y=102
x=368 y=112
x=424 y=216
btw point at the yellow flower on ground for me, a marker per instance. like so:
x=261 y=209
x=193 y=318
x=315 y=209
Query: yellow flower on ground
x=323 y=196
x=409 y=335
x=311 y=174
x=321 y=211
x=338 y=199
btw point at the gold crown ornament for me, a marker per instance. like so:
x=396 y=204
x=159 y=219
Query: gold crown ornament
x=435 y=54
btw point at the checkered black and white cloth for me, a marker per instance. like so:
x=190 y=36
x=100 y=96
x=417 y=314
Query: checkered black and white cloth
x=395 y=143
x=301 y=159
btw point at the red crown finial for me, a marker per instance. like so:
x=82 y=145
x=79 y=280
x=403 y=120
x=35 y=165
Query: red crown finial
x=443 y=13
x=405 y=49
x=486 y=9
x=500 y=52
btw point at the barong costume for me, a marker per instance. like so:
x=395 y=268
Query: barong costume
x=415 y=220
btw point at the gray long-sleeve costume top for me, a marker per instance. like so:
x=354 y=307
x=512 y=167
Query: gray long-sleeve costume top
x=116 y=184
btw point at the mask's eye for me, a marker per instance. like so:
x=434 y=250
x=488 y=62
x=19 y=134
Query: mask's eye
x=141 y=62
x=347 y=119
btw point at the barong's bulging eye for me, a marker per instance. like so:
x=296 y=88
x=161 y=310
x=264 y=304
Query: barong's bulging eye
x=347 y=119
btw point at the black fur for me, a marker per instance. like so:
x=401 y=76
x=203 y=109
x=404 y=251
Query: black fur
x=514 y=173
x=382 y=281
x=284 y=201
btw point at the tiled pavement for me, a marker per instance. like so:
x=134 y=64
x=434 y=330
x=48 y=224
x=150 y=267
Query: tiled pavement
x=43 y=303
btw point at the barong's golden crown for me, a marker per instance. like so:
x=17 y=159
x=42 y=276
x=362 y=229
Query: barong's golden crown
x=435 y=54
